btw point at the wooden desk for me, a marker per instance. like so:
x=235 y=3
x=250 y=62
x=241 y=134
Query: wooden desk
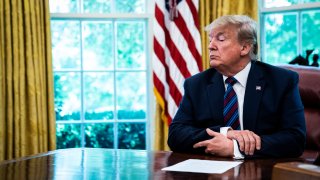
x=124 y=164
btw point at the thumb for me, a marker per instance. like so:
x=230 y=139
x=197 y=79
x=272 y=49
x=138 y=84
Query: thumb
x=212 y=133
x=230 y=134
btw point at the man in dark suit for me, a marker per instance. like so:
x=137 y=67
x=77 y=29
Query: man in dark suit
x=240 y=107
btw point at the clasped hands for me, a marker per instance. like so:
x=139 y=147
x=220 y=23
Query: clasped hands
x=221 y=145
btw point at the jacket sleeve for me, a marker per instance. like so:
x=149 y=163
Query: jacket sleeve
x=185 y=130
x=290 y=137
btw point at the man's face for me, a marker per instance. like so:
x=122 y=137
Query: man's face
x=224 y=48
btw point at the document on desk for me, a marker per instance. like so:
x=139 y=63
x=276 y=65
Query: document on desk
x=203 y=166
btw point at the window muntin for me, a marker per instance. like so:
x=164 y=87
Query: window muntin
x=284 y=3
x=98 y=6
x=288 y=28
x=280 y=37
x=100 y=73
x=310 y=30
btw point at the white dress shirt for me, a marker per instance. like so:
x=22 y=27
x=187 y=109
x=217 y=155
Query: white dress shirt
x=239 y=88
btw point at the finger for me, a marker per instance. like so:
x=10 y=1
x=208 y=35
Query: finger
x=246 y=142
x=201 y=144
x=258 y=141
x=212 y=133
x=231 y=134
x=252 y=143
x=240 y=140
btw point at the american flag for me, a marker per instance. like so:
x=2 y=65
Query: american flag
x=177 y=51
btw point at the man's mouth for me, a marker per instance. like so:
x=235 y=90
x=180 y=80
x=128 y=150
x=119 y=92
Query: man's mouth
x=212 y=57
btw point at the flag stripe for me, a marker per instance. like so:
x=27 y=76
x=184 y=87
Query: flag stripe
x=176 y=58
x=159 y=50
x=177 y=52
x=193 y=23
x=194 y=12
x=173 y=90
x=175 y=38
x=160 y=87
x=174 y=78
x=181 y=24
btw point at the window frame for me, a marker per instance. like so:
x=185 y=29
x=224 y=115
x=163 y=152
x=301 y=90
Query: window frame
x=296 y=8
x=147 y=17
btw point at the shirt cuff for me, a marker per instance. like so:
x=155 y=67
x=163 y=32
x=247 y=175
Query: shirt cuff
x=236 y=152
x=224 y=130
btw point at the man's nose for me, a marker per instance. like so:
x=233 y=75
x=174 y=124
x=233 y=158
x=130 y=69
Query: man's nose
x=212 y=46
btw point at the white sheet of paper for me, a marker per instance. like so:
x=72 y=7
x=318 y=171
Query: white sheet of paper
x=203 y=166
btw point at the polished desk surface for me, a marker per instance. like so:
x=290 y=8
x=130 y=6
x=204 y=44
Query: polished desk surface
x=90 y=163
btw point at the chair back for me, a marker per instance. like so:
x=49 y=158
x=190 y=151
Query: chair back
x=309 y=87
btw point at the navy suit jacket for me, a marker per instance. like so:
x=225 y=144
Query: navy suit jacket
x=274 y=111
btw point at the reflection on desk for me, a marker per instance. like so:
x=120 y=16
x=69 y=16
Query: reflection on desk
x=86 y=163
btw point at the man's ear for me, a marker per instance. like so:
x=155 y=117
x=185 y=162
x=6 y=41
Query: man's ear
x=245 y=49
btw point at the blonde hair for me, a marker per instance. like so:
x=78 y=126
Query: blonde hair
x=247 y=31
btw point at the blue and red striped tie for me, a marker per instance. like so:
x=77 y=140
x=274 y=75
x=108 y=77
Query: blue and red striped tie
x=230 y=111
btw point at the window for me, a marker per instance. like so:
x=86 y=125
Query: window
x=101 y=73
x=288 y=29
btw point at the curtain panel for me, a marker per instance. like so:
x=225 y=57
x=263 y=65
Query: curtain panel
x=27 y=118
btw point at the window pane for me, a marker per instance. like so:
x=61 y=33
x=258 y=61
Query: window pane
x=99 y=95
x=131 y=45
x=99 y=135
x=129 y=6
x=63 y=6
x=131 y=95
x=68 y=136
x=308 y=1
x=67 y=96
x=279 y=3
x=132 y=135
x=65 y=44
x=280 y=38
x=100 y=68
x=98 y=45
x=97 y=6
x=310 y=32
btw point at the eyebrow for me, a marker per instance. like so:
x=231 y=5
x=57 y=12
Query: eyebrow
x=218 y=34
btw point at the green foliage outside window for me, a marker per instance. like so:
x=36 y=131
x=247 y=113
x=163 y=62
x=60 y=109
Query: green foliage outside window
x=100 y=75
x=132 y=135
x=99 y=135
x=311 y=31
x=281 y=36
x=68 y=136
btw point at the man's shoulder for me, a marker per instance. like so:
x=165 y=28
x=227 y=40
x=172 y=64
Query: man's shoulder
x=205 y=75
x=274 y=71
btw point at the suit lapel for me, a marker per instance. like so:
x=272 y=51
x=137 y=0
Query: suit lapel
x=254 y=91
x=215 y=92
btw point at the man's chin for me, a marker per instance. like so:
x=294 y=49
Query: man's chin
x=217 y=66
x=213 y=64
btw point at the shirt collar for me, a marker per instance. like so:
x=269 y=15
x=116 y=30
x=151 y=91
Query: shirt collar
x=241 y=76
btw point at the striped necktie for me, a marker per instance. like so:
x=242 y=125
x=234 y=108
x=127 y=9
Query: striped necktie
x=230 y=111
